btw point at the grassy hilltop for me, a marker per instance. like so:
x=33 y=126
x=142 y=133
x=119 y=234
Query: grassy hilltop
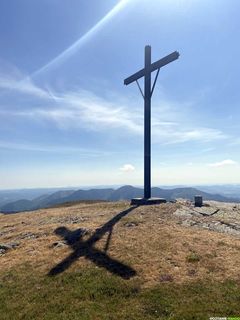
x=112 y=261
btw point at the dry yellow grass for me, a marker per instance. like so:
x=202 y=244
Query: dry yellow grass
x=149 y=239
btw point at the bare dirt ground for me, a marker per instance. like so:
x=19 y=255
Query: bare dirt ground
x=168 y=242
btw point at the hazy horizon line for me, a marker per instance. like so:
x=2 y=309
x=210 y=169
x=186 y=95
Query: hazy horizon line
x=118 y=186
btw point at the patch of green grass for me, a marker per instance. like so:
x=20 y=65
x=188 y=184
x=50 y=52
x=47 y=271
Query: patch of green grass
x=94 y=294
x=87 y=294
x=198 y=300
x=193 y=257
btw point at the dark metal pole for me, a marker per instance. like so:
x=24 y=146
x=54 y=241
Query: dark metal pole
x=147 y=124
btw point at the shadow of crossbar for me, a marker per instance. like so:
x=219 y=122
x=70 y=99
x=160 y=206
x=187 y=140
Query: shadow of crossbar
x=86 y=248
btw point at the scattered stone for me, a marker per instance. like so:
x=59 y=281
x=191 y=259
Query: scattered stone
x=130 y=224
x=58 y=244
x=4 y=247
x=2 y=252
x=201 y=217
x=166 y=278
x=8 y=246
x=204 y=225
x=14 y=245
x=208 y=213
x=188 y=223
x=182 y=213
x=75 y=220
x=64 y=220
x=28 y=235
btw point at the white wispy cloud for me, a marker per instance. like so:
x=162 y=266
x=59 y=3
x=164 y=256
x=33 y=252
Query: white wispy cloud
x=181 y=134
x=227 y=162
x=83 y=152
x=127 y=168
x=83 y=109
x=24 y=86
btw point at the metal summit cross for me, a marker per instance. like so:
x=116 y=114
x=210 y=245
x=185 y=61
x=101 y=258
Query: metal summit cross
x=146 y=72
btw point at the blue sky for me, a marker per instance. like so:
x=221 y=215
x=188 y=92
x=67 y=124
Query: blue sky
x=68 y=120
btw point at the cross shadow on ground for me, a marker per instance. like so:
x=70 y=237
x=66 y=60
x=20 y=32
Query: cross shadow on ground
x=85 y=248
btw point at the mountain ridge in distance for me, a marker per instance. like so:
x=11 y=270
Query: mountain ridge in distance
x=109 y=194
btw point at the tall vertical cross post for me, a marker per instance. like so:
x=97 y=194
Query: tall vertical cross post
x=146 y=72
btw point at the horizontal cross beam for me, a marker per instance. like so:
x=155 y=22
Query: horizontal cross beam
x=154 y=66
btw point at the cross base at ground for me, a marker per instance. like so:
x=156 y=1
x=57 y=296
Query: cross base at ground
x=143 y=201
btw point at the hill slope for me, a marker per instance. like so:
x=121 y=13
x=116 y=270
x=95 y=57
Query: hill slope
x=112 y=261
